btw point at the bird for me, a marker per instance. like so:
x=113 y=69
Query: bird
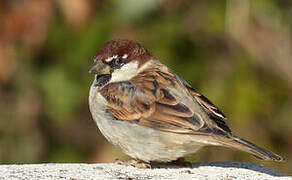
x=152 y=114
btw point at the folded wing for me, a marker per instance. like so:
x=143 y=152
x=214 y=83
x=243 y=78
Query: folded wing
x=146 y=100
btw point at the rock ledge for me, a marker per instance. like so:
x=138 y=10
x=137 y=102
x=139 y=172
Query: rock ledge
x=216 y=170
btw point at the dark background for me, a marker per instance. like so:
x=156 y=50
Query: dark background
x=237 y=53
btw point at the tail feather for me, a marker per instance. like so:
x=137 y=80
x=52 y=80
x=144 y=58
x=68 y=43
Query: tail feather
x=251 y=148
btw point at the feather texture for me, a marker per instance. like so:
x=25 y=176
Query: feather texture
x=147 y=100
x=141 y=103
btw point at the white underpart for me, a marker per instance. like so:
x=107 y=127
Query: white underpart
x=125 y=73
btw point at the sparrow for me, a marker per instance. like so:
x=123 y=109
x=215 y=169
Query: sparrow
x=152 y=114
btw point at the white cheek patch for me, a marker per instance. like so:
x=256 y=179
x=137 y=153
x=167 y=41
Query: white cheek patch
x=126 y=72
x=144 y=66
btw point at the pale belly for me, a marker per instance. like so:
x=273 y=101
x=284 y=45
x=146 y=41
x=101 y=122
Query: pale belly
x=145 y=143
x=140 y=142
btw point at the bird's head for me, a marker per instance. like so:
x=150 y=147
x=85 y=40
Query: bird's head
x=118 y=60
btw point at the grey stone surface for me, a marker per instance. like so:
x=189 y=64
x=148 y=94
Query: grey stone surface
x=216 y=170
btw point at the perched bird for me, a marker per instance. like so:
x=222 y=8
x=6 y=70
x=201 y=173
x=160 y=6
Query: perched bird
x=152 y=114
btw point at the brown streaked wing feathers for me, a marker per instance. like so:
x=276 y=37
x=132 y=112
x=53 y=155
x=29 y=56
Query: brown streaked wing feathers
x=153 y=107
x=215 y=114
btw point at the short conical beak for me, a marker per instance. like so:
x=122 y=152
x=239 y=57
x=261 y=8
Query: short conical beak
x=100 y=68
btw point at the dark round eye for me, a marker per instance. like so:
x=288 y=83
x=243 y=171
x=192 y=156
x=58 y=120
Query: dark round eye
x=118 y=61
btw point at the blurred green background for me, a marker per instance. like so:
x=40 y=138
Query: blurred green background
x=237 y=53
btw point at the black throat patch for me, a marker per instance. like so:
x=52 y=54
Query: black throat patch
x=102 y=80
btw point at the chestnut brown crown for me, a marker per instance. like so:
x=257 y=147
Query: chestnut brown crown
x=121 y=47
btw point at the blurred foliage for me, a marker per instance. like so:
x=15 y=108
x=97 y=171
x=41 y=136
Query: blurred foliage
x=237 y=53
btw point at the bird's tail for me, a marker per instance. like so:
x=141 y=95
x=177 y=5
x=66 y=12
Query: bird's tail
x=243 y=145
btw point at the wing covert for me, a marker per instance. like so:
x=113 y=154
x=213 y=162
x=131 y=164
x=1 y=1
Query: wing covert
x=147 y=101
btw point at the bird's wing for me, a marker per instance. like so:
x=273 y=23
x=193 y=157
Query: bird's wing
x=214 y=113
x=146 y=100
